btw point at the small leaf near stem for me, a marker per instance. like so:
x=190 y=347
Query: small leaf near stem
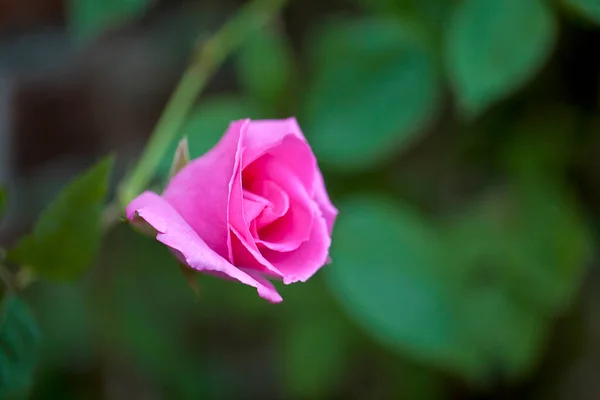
x=181 y=158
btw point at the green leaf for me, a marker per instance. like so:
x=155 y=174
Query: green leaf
x=207 y=124
x=65 y=317
x=419 y=381
x=589 y=9
x=506 y=334
x=476 y=296
x=315 y=356
x=67 y=235
x=553 y=232
x=490 y=282
x=19 y=347
x=385 y=272
x=129 y=316
x=265 y=67
x=517 y=259
x=494 y=47
x=375 y=87
x=87 y=18
x=386 y=7
x=425 y=11
x=560 y=244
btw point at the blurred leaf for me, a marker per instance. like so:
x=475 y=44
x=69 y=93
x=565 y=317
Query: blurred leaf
x=518 y=254
x=497 y=320
x=265 y=67
x=494 y=47
x=540 y=144
x=314 y=352
x=19 y=346
x=387 y=7
x=88 y=18
x=517 y=259
x=429 y=12
x=556 y=238
x=420 y=382
x=553 y=230
x=207 y=124
x=589 y=9
x=142 y=307
x=386 y=274
x=507 y=336
x=67 y=235
x=478 y=298
x=64 y=317
x=375 y=87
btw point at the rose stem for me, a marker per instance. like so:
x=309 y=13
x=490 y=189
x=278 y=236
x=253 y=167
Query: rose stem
x=207 y=59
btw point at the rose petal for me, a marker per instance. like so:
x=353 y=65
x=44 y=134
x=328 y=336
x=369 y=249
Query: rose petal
x=290 y=231
x=253 y=206
x=246 y=243
x=176 y=233
x=200 y=191
x=325 y=205
x=302 y=263
x=284 y=140
x=277 y=199
x=240 y=238
x=247 y=254
x=284 y=234
x=245 y=251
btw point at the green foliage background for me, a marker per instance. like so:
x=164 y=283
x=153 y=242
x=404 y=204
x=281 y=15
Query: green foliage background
x=459 y=140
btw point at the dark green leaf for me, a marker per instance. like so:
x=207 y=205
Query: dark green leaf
x=425 y=11
x=265 y=67
x=517 y=260
x=386 y=273
x=556 y=240
x=65 y=317
x=19 y=347
x=507 y=336
x=518 y=255
x=131 y=316
x=479 y=298
x=494 y=47
x=419 y=381
x=553 y=230
x=387 y=7
x=67 y=235
x=375 y=86
x=88 y=18
x=207 y=124
x=540 y=144
x=497 y=319
x=589 y=9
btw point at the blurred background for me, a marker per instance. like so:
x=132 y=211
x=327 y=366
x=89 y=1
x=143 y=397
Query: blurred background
x=459 y=138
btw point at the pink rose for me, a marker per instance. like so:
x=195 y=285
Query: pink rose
x=254 y=207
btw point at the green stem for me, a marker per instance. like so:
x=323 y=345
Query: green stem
x=208 y=59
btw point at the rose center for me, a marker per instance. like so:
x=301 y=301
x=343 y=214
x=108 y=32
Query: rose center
x=264 y=203
x=277 y=207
